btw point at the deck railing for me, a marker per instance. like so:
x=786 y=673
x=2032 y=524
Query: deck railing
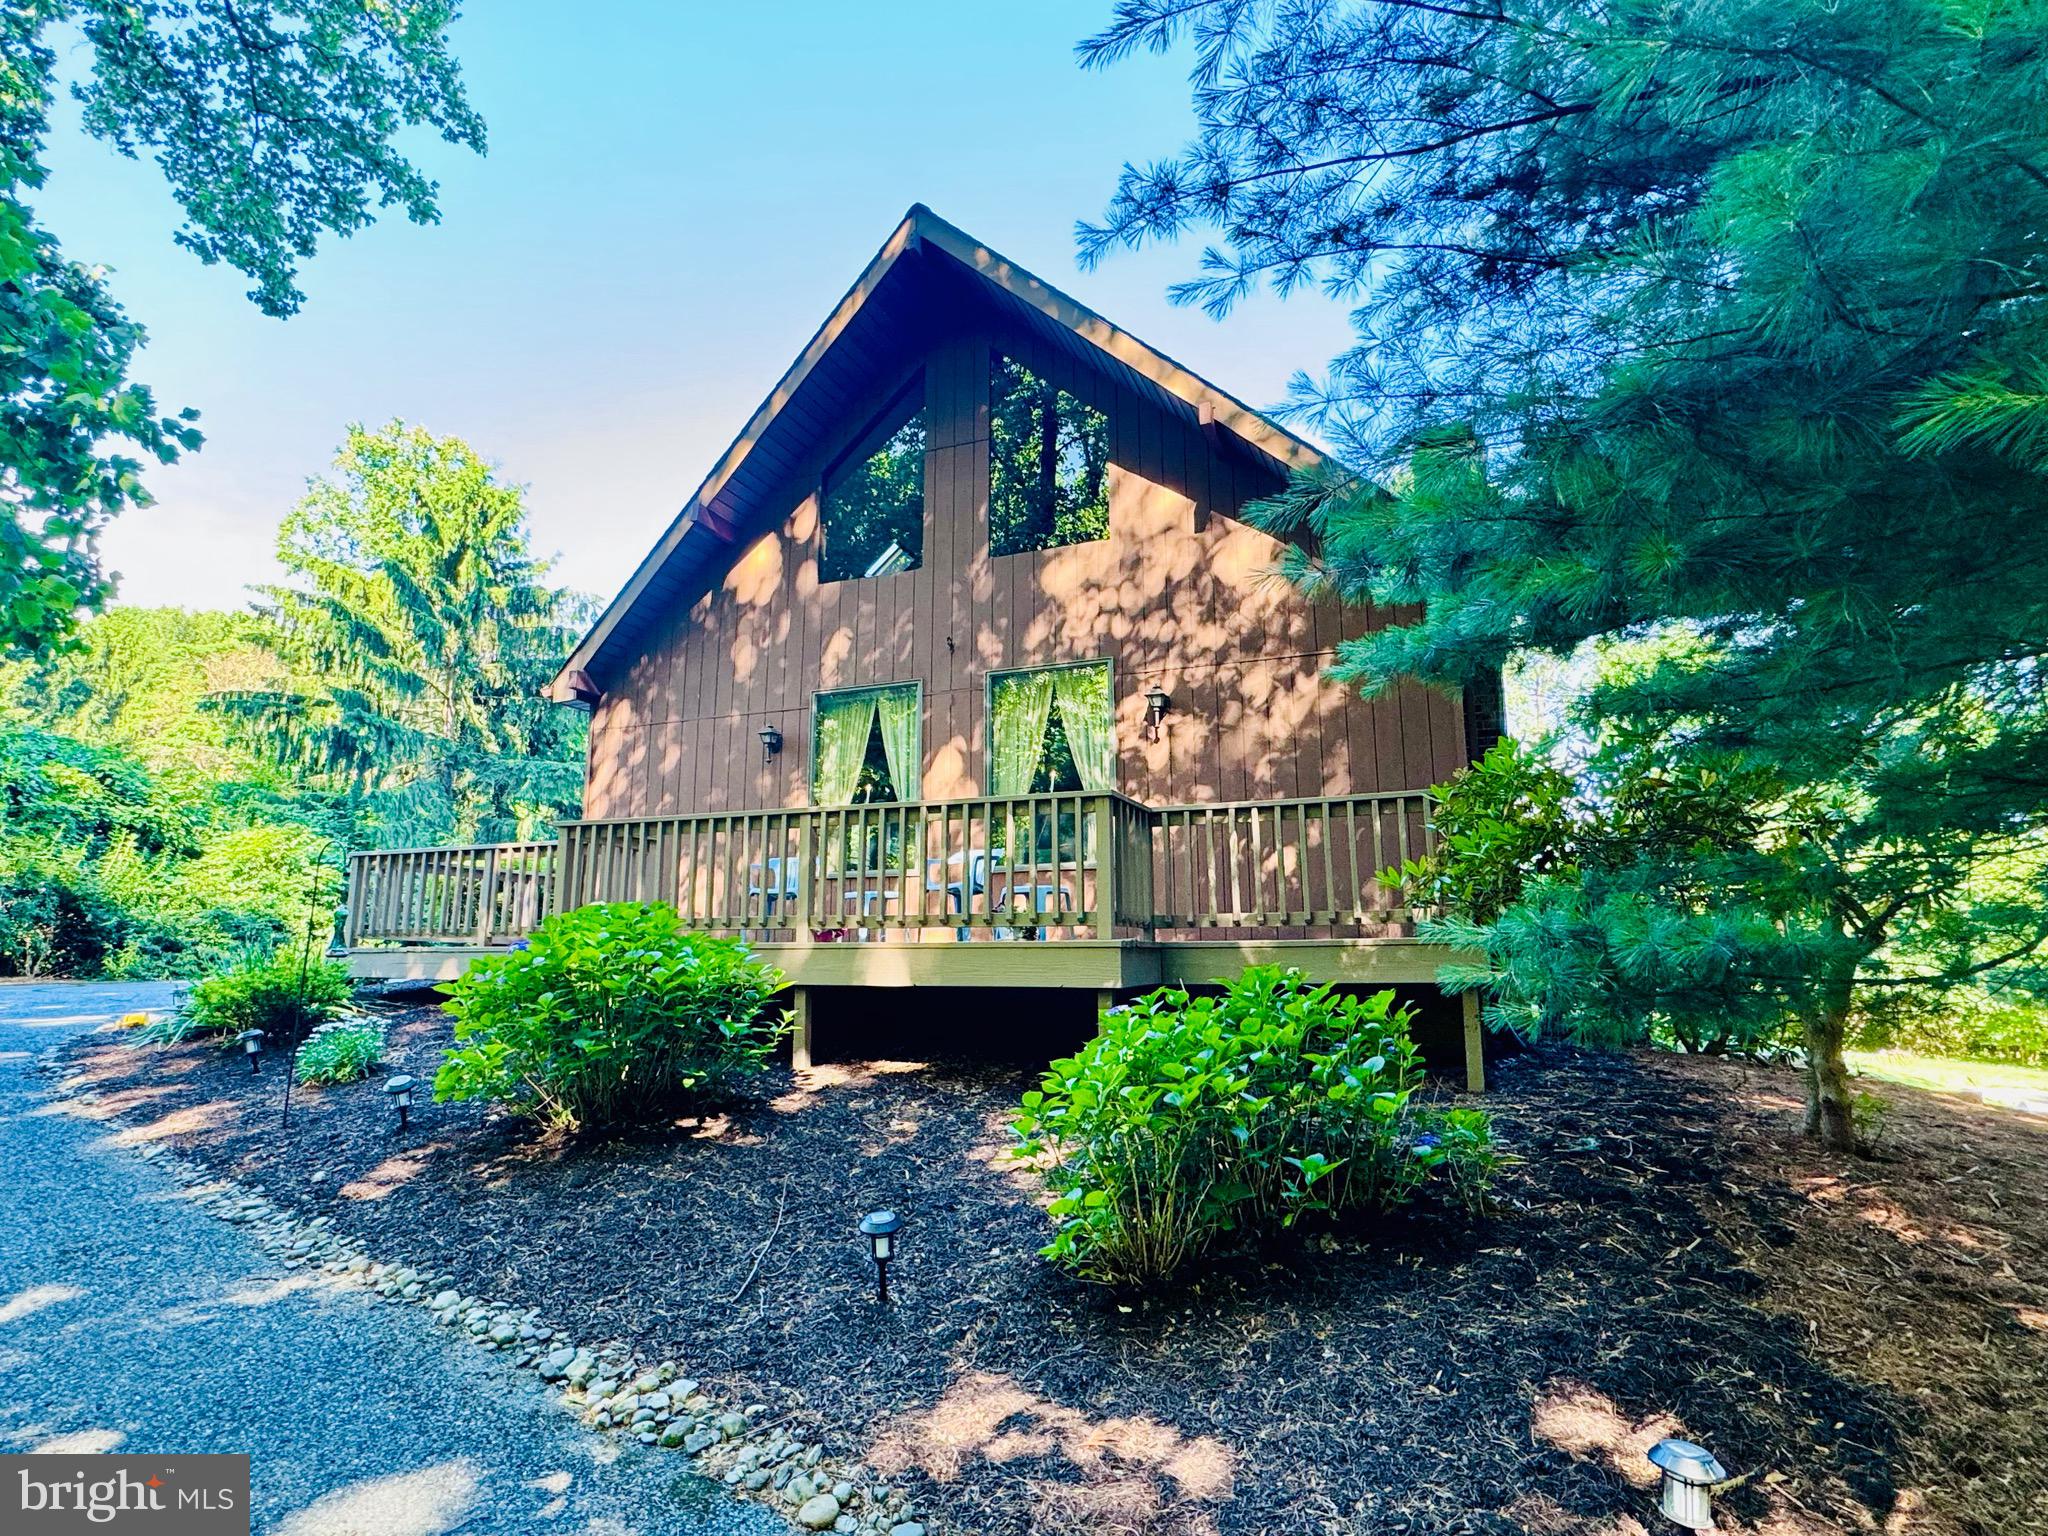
x=1069 y=865
x=479 y=895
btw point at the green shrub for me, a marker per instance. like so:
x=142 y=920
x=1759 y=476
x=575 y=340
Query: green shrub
x=612 y=1013
x=286 y=995
x=1963 y=1024
x=343 y=1051
x=1192 y=1120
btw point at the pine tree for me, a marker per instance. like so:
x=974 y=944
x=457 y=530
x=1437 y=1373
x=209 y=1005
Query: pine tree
x=424 y=631
x=1720 y=323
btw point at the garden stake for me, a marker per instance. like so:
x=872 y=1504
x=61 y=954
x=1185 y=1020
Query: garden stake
x=291 y=1066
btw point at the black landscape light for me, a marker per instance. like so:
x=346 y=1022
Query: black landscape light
x=252 y=1047
x=1156 y=701
x=1690 y=1473
x=771 y=743
x=880 y=1229
x=400 y=1089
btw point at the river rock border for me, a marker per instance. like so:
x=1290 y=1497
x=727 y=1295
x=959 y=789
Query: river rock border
x=754 y=1456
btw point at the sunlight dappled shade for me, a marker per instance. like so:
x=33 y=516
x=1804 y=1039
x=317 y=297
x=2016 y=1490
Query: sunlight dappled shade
x=25 y=1303
x=80 y=1442
x=987 y=1417
x=1584 y=1421
x=422 y=1503
x=270 y=1292
x=387 y=1176
x=813 y=1081
x=179 y=1122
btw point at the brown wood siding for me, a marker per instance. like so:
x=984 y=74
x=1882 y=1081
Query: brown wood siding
x=1179 y=594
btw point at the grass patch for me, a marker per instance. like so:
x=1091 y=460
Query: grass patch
x=1946 y=1076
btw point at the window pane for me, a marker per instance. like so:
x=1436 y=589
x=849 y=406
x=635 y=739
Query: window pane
x=867 y=746
x=873 y=511
x=1051 y=729
x=1048 y=464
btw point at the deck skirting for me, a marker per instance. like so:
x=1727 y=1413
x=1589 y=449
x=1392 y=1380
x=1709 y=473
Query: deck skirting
x=1092 y=964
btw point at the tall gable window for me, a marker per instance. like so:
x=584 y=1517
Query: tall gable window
x=1048 y=463
x=873 y=506
x=867 y=745
x=1051 y=729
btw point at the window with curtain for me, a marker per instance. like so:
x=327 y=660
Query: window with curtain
x=867 y=745
x=1048 y=463
x=873 y=507
x=1051 y=729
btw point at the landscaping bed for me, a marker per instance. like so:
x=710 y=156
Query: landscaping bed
x=1867 y=1340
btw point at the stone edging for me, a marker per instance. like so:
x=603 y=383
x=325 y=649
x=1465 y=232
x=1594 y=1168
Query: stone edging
x=754 y=1456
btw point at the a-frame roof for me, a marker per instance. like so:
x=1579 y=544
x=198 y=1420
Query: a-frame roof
x=922 y=258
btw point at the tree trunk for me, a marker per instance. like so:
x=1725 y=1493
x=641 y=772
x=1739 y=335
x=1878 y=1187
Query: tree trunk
x=1828 y=1115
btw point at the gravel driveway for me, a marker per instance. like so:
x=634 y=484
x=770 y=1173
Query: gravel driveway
x=130 y=1323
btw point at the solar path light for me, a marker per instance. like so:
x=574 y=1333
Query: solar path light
x=1690 y=1473
x=400 y=1089
x=880 y=1229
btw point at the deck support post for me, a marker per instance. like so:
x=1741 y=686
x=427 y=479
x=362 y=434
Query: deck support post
x=1475 y=1044
x=800 y=1033
x=1105 y=999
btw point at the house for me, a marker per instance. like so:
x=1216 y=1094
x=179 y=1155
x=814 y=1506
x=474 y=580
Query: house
x=960 y=669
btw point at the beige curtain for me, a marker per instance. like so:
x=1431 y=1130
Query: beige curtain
x=843 y=722
x=901 y=741
x=1019 y=706
x=1089 y=714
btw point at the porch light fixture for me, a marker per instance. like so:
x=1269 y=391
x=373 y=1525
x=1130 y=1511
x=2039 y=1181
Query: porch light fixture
x=1156 y=701
x=880 y=1229
x=252 y=1047
x=400 y=1089
x=1690 y=1474
x=771 y=743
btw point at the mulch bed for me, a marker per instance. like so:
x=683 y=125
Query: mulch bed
x=1867 y=1339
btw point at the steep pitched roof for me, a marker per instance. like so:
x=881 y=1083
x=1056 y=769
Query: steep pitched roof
x=923 y=256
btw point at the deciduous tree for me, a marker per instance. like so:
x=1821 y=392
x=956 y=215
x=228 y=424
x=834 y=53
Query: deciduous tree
x=274 y=121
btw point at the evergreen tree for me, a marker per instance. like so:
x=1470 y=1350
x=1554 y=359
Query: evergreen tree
x=424 y=632
x=274 y=122
x=1718 y=322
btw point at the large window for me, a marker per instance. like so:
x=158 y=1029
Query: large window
x=1048 y=463
x=873 y=506
x=1051 y=729
x=867 y=745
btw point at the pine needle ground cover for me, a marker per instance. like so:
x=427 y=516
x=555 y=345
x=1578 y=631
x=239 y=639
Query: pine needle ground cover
x=1866 y=1338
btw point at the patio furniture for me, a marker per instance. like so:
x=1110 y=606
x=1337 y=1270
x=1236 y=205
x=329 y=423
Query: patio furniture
x=970 y=879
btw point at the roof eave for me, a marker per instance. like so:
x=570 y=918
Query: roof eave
x=1217 y=410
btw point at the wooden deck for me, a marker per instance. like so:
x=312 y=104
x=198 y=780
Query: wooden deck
x=1081 y=891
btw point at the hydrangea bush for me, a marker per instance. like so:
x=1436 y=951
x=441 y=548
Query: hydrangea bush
x=1192 y=1121
x=613 y=1013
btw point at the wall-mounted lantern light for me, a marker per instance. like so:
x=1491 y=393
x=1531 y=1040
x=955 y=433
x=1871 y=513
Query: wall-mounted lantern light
x=400 y=1089
x=252 y=1046
x=1156 y=702
x=771 y=743
x=1690 y=1473
x=880 y=1229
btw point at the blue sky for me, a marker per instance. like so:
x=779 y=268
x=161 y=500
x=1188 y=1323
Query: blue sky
x=675 y=196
